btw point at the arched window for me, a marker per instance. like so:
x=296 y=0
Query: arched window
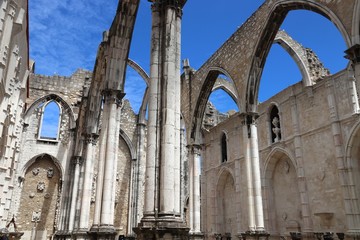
x=50 y=121
x=223 y=148
x=275 y=128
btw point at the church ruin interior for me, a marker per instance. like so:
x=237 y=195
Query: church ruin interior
x=179 y=168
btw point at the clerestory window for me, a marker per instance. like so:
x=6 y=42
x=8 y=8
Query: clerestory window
x=50 y=121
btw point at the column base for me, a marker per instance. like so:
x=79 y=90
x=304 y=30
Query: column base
x=102 y=232
x=165 y=229
x=81 y=234
x=196 y=235
x=62 y=235
x=254 y=235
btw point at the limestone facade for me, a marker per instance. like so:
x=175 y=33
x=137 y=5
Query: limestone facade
x=284 y=168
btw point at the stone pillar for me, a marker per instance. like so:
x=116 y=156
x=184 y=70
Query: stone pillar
x=304 y=198
x=77 y=161
x=353 y=54
x=351 y=202
x=162 y=190
x=91 y=140
x=103 y=225
x=252 y=162
x=153 y=121
x=194 y=193
x=137 y=188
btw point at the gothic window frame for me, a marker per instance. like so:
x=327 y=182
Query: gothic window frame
x=275 y=125
x=42 y=110
x=224 y=147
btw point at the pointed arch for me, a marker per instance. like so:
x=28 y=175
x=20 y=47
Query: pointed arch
x=127 y=139
x=356 y=24
x=281 y=176
x=38 y=157
x=278 y=13
x=50 y=121
x=226 y=222
x=207 y=87
x=65 y=107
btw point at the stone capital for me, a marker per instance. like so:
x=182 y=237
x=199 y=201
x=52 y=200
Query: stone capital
x=195 y=149
x=158 y=5
x=113 y=96
x=77 y=160
x=353 y=54
x=249 y=118
x=92 y=138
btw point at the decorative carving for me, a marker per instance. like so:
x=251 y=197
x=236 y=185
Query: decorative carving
x=36 y=216
x=92 y=138
x=36 y=171
x=31 y=195
x=112 y=96
x=93 y=188
x=47 y=195
x=41 y=186
x=21 y=181
x=276 y=129
x=50 y=172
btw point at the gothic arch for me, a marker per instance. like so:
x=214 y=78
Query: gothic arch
x=280 y=175
x=206 y=89
x=226 y=221
x=228 y=87
x=126 y=138
x=34 y=158
x=349 y=172
x=276 y=153
x=39 y=201
x=356 y=24
x=146 y=78
x=299 y=54
x=277 y=15
x=65 y=107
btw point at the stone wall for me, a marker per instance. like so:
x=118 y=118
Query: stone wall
x=299 y=170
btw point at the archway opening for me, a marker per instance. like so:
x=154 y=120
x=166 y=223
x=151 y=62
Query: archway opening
x=134 y=88
x=226 y=200
x=50 y=121
x=316 y=33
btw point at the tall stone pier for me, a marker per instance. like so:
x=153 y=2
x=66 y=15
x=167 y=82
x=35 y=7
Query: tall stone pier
x=162 y=213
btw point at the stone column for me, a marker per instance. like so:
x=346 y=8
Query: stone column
x=91 y=140
x=112 y=102
x=77 y=161
x=344 y=167
x=105 y=195
x=252 y=162
x=194 y=194
x=153 y=121
x=162 y=193
x=249 y=183
x=304 y=198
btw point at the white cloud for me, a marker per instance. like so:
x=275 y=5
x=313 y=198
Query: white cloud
x=65 y=34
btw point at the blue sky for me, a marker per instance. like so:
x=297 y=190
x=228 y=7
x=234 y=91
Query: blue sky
x=65 y=34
